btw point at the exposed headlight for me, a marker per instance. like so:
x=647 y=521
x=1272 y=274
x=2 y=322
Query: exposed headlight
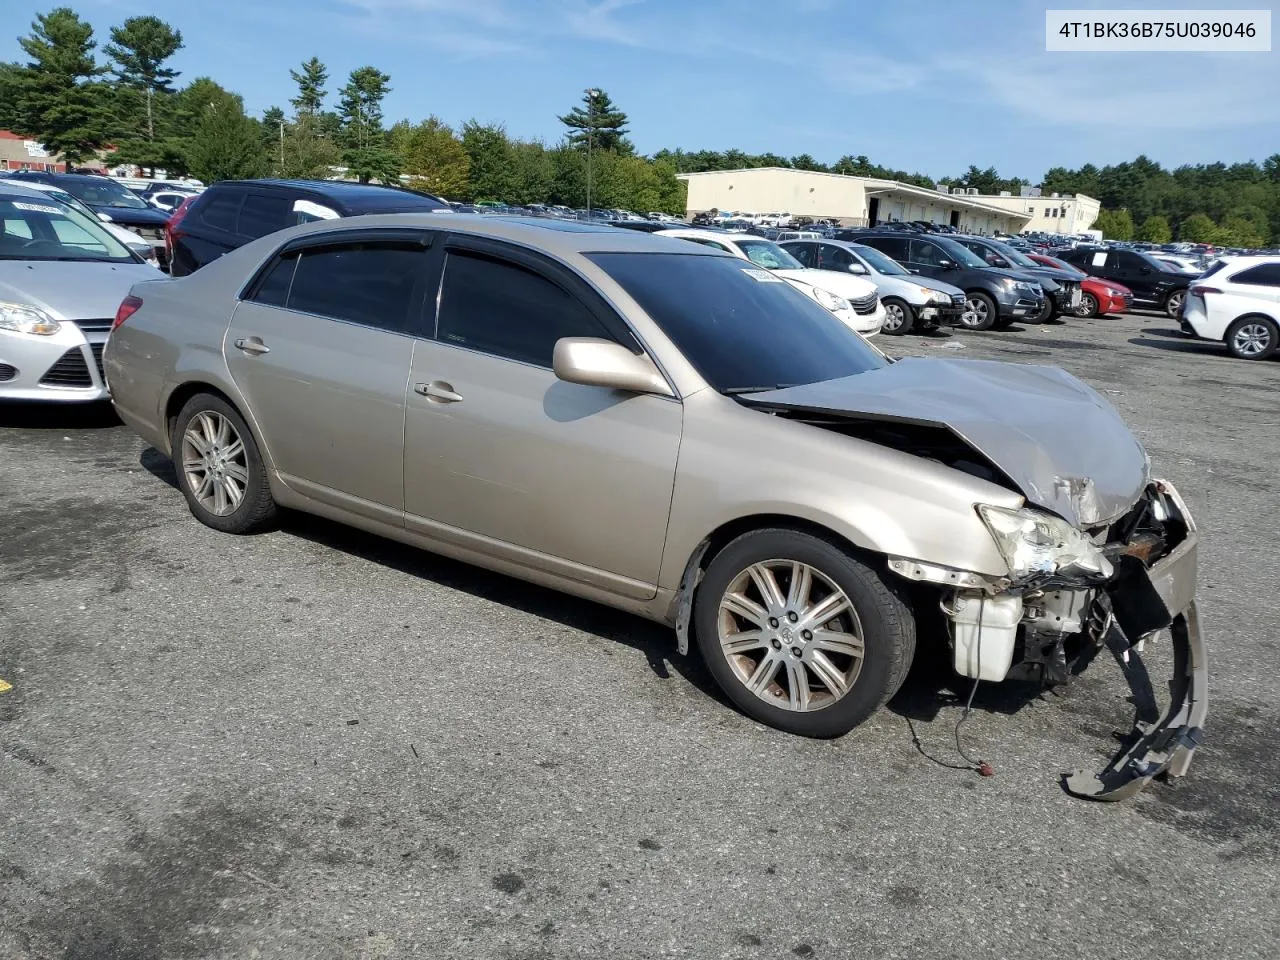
x=1034 y=542
x=829 y=300
x=24 y=318
x=1029 y=288
x=937 y=296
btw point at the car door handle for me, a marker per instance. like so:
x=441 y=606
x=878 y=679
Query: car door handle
x=251 y=345
x=437 y=390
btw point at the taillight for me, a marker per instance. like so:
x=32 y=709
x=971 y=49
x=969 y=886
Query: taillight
x=128 y=307
x=1201 y=291
x=171 y=225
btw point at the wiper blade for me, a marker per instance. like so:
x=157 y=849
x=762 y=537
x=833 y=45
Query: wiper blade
x=734 y=391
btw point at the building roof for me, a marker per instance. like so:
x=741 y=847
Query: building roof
x=875 y=185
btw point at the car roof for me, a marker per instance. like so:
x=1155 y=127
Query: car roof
x=556 y=237
x=340 y=191
x=693 y=233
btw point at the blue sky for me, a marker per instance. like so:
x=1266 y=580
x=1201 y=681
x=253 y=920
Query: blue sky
x=924 y=85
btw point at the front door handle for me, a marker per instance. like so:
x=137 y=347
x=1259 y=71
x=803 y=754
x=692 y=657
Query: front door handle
x=438 y=391
x=252 y=345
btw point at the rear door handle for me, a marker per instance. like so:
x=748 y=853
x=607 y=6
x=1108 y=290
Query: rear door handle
x=251 y=345
x=438 y=391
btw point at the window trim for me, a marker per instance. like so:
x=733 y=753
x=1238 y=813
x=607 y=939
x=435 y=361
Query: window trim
x=414 y=315
x=611 y=321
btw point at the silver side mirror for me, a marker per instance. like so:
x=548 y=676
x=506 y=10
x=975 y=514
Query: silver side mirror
x=603 y=363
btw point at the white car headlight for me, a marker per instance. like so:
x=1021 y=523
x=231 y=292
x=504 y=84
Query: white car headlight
x=937 y=296
x=829 y=300
x=1034 y=542
x=24 y=318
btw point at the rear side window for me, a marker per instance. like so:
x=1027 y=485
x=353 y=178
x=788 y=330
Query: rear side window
x=895 y=247
x=273 y=288
x=263 y=214
x=221 y=209
x=369 y=283
x=500 y=308
x=1263 y=275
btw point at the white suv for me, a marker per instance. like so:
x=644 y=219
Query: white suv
x=1237 y=302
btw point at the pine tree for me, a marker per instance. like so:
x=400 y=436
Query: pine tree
x=362 y=136
x=600 y=121
x=310 y=80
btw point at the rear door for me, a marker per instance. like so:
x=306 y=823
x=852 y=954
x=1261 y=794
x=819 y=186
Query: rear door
x=1126 y=267
x=503 y=457
x=321 y=348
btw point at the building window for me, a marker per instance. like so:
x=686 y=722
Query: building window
x=1047 y=213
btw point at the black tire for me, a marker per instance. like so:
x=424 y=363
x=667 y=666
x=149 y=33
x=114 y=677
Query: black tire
x=892 y=306
x=1087 y=307
x=256 y=510
x=888 y=629
x=1046 y=312
x=1252 y=338
x=1173 y=303
x=980 y=311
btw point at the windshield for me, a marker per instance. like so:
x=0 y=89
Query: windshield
x=764 y=253
x=38 y=229
x=879 y=262
x=75 y=204
x=742 y=328
x=101 y=192
x=960 y=253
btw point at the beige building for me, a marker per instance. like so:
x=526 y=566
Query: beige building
x=1067 y=213
x=853 y=201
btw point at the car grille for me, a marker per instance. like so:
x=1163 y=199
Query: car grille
x=95 y=326
x=865 y=305
x=97 y=349
x=70 y=370
x=7 y=372
x=957 y=300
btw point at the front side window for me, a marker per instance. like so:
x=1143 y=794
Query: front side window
x=742 y=329
x=495 y=306
x=803 y=252
x=930 y=254
x=881 y=263
x=829 y=256
x=370 y=283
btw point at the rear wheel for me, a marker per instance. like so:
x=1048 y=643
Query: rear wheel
x=1253 y=338
x=980 y=311
x=1088 y=306
x=899 y=318
x=1173 y=303
x=800 y=634
x=220 y=470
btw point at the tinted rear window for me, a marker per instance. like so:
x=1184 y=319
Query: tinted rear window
x=1263 y=275
x=262 y=214
x=740 y=326
x=221 y=209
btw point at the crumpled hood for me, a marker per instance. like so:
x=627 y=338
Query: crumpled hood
x=72 y=290
x=1062 y=444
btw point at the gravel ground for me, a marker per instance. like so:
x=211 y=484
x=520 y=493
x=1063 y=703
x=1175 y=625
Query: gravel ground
x=313 y=743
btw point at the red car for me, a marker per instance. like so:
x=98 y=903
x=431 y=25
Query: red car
x=1097 y=297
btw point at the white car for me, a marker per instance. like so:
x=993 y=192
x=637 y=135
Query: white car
x=911 y=302
x=1188 y=265
x=852 y=299
x=1237 y=302
x=131 y=239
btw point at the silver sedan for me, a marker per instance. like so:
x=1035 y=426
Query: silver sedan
x=673 y=431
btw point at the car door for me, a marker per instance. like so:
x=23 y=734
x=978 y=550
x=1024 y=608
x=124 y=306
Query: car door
x=503 y=457
x=1126 y=267
x=208 y=231
x=321 y=349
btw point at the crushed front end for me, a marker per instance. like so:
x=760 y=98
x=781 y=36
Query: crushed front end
x=1073 y=594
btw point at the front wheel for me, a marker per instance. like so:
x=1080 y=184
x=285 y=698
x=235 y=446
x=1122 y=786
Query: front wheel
x=1173 y=303
x=1253 y=338
x=980 y=312
x=800 y=634
x=899 y=318
x=1087 y=307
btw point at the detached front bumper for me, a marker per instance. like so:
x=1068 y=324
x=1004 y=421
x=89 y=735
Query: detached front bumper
x=1143 y=600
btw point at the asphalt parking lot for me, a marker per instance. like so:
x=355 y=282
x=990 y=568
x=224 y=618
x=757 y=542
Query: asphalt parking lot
x=313 y=743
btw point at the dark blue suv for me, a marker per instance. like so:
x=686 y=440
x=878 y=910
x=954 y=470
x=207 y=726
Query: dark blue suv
x=233 y=212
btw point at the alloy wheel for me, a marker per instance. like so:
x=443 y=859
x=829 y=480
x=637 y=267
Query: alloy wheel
x=1251 y=340
x=1086 y=306
x=975 y=313
x=893 y=318
x=1174 y=304
x=214 y=463
x=790 y=635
